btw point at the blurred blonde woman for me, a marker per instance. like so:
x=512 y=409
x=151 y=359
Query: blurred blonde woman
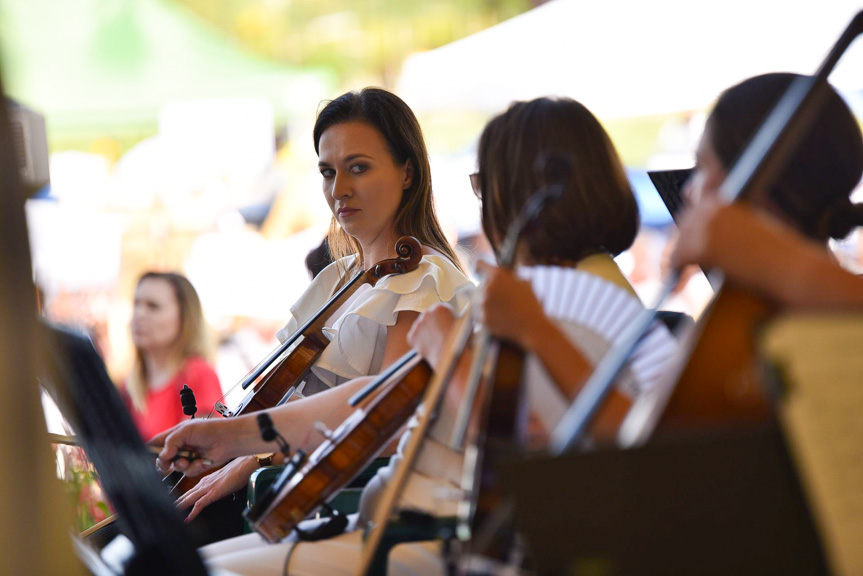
x=171 y=349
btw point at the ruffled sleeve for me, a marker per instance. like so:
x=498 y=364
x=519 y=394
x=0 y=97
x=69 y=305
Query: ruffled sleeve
x=358 y=335
x=314 y=298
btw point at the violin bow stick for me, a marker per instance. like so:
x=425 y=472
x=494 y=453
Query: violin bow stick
x=764 y=157
x=455 y=345
x=73 y=441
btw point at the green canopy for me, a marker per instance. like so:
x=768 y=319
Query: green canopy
x=105 y=67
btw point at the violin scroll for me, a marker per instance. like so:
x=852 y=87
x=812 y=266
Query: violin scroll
x=409 y=251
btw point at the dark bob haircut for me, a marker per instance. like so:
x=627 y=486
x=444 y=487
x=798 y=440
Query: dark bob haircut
x=597 y=213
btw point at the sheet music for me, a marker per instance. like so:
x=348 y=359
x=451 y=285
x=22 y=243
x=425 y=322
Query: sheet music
x=820 y=361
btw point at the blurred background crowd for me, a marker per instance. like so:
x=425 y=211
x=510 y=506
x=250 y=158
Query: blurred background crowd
x=180 y=130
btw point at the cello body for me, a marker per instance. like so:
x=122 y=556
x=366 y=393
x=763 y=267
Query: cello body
x=720 y=382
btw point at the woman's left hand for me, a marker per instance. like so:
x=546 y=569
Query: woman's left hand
x=510 y=310
x=217 y=485
x=430 y=330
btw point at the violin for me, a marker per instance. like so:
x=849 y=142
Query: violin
x=721 y=382
x=347 y=450
x=499 y=437
x=507 y=400
x=502 y=420
x=273 y=381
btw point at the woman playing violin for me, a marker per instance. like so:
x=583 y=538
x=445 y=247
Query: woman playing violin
x=598 y=217
x=811 y=197
x=376 y=179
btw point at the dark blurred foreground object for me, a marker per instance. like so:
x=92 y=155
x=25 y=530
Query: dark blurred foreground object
x=34 y=515
x=725 y=502
x=146 y=515
x=669 y=184
x=31 y=146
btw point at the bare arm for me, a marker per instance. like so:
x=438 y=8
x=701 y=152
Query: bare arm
x=511 y=311
x=765 y=255
x=221 y=440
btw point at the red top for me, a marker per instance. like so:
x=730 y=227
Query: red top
x=163 y=406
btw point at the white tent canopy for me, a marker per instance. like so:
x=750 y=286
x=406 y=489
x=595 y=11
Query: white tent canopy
x=625 y=58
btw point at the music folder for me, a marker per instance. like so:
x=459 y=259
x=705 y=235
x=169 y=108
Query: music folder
x=719 y=503
x=669 y=184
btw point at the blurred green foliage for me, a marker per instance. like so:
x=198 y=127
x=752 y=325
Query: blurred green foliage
x=357 y=39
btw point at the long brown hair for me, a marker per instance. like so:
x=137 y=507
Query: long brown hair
x=813 y=190
x=396 y=122
x=597 y=212
x=192 y=340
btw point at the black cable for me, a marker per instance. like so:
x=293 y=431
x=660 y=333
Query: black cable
x=288 y=558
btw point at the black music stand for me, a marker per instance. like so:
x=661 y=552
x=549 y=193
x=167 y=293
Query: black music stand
x=721 y=503
x=76 y=377
x=669 y=184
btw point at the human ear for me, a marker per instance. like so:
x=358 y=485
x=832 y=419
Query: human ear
x=409 y=175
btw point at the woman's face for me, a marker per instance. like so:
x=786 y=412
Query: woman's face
x=362 y=182
x=156 y=316
x=709 y=171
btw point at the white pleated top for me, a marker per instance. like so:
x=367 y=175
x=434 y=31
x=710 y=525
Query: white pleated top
x=357 y=331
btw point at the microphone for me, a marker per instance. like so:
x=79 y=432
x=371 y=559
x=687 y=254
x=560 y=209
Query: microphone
x=270 y=434
x=187 y=399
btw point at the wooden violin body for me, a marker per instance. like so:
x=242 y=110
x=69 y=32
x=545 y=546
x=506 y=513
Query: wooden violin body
x=355 y=443
x=501 y=436
x=720 y=380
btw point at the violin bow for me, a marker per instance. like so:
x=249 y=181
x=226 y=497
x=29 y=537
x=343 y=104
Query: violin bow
x=765 y=156
x=455 y=345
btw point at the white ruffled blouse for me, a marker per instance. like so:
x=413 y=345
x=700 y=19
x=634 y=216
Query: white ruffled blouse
x=357 y=331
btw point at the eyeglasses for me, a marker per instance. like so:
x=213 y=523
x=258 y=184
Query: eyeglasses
x=476 y=184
